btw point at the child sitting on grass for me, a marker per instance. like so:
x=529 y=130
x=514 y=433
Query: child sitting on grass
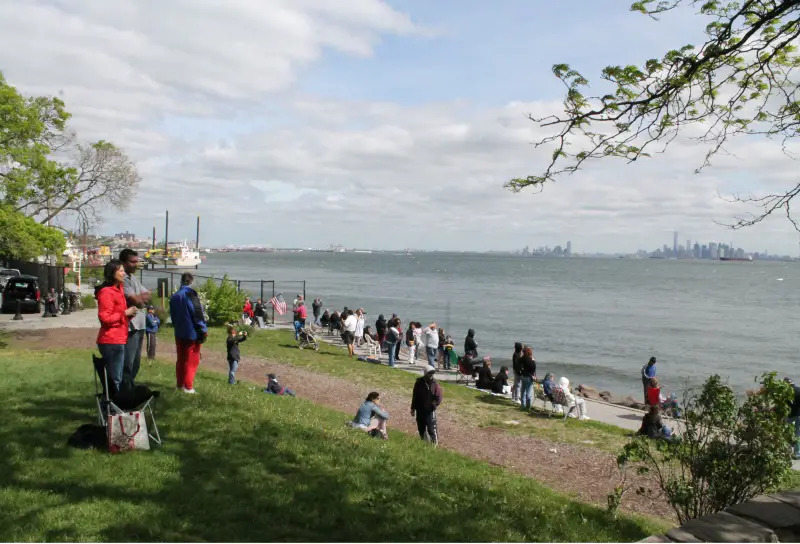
x=274 y=388
x=233 y=341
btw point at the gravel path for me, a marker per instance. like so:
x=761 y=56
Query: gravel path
x=576 y=470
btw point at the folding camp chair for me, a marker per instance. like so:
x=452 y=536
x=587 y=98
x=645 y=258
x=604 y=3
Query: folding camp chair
x=111 y=402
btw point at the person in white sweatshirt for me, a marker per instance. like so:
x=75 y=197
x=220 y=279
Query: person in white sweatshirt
x=579 y=403
x=432 y=343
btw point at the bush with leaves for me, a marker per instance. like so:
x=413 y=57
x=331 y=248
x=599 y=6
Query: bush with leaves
x=729 y=451
x=222 y=303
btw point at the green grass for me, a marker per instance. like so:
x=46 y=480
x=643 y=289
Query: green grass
x=484 y=409
x=237 y=464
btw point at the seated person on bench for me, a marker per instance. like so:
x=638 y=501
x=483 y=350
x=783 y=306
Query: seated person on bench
x=548 y=385
x=325 y=320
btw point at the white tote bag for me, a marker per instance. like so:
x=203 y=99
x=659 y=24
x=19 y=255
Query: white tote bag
x=127 y=431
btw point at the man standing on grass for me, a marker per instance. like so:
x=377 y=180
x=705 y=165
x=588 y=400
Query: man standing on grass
x=137 y=295
x=190 y=331
x=425 y=398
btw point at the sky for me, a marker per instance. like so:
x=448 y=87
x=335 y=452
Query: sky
x=374 y=124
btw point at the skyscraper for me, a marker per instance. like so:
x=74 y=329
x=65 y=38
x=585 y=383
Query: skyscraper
x=569 y=248
x=675 y=242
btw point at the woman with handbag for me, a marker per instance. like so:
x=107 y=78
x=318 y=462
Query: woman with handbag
x=113 y=313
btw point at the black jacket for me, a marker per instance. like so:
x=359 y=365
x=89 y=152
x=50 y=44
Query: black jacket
x=426 y=397
x=500 y=381
x=795 y=405
x=485 y=378
x=528 y=365
x=470 y=346
x=259 y=310
x=651 y=425
x=232 y=343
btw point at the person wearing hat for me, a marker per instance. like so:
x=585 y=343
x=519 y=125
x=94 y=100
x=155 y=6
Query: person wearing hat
x=151 y=329
x=648 y=373
x=425 y=398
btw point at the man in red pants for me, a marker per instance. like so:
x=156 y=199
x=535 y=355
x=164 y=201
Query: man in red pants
x=191 y=331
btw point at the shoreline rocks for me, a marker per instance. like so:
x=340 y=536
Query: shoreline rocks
x=591 y=393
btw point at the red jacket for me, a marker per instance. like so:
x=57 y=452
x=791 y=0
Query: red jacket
x=248 y=309
x=111 y=306
x=653 y=396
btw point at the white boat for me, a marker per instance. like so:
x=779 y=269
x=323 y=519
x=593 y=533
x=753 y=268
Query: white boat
x=181 y=256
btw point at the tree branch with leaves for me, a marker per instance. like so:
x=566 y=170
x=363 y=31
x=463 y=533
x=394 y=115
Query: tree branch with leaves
x=742 y=80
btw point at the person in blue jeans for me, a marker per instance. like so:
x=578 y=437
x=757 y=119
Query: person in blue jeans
x=528 y=375
x=431 y=337
x=232 y=345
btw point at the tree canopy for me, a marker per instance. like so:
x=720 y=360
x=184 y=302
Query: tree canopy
x=23 y=238
x=741 y=81
x=46 y=175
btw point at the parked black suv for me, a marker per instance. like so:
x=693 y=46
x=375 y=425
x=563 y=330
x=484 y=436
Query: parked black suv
x=24 y=289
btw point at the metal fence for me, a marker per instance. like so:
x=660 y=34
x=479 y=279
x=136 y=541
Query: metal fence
x=255 y=289
x=49 y=275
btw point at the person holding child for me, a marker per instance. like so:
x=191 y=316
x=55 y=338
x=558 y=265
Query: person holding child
x=232 y=345
x=371 y=417
x=151 y=329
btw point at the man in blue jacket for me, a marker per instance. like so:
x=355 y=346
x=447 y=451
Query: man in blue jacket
x=191 y=331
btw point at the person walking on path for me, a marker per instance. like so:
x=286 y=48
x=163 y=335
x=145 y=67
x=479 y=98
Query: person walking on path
x=425 y=399
x=113 y=312
x=431 y=343
x=648 y=373
x=528 y=374
x=138 y=296
x=316 y=308
x=190 y=332
x=232 y=348
x=399 y=327
x=516 y=366
x=359 y=326
x=794 y=417
x=349 y=335
x=392 y=339
x=153 y=322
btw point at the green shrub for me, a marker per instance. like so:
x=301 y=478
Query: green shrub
x=222 y=303
x=729 y=451
x=89 y=301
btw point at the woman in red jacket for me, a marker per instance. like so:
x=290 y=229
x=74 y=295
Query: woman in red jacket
x=113 y=313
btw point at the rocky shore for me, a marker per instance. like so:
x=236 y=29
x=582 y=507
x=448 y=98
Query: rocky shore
x=591 y=393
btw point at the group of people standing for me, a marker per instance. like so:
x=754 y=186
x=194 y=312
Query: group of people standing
x=126 y=318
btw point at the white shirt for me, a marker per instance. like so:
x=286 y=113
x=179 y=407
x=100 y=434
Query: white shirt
x=360 y=326
x=350 y=324
x=432 y=340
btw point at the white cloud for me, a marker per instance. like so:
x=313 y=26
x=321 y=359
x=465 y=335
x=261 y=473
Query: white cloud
x=203 y=95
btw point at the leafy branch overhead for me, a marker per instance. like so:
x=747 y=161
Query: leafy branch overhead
x=742 y=81
x=46 y=175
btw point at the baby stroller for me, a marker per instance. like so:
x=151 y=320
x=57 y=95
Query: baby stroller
x=307 y=338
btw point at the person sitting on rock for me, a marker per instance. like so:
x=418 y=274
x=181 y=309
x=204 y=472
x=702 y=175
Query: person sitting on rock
x=500 y=384
x=653 y=426
x=578 y=402
x=371 y=417
x=485 y=377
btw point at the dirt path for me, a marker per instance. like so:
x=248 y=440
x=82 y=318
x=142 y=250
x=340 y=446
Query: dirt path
x=581 y=471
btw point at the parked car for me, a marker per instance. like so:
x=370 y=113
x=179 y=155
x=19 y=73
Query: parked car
x=24 y=289
x=6 y=273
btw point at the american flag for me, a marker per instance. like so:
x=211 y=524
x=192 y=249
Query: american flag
x=278 y=303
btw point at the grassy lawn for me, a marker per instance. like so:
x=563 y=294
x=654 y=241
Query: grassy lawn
x=240 y=465
x=487 y=410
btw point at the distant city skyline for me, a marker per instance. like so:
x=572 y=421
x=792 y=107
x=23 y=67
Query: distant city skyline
x=375 y=124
